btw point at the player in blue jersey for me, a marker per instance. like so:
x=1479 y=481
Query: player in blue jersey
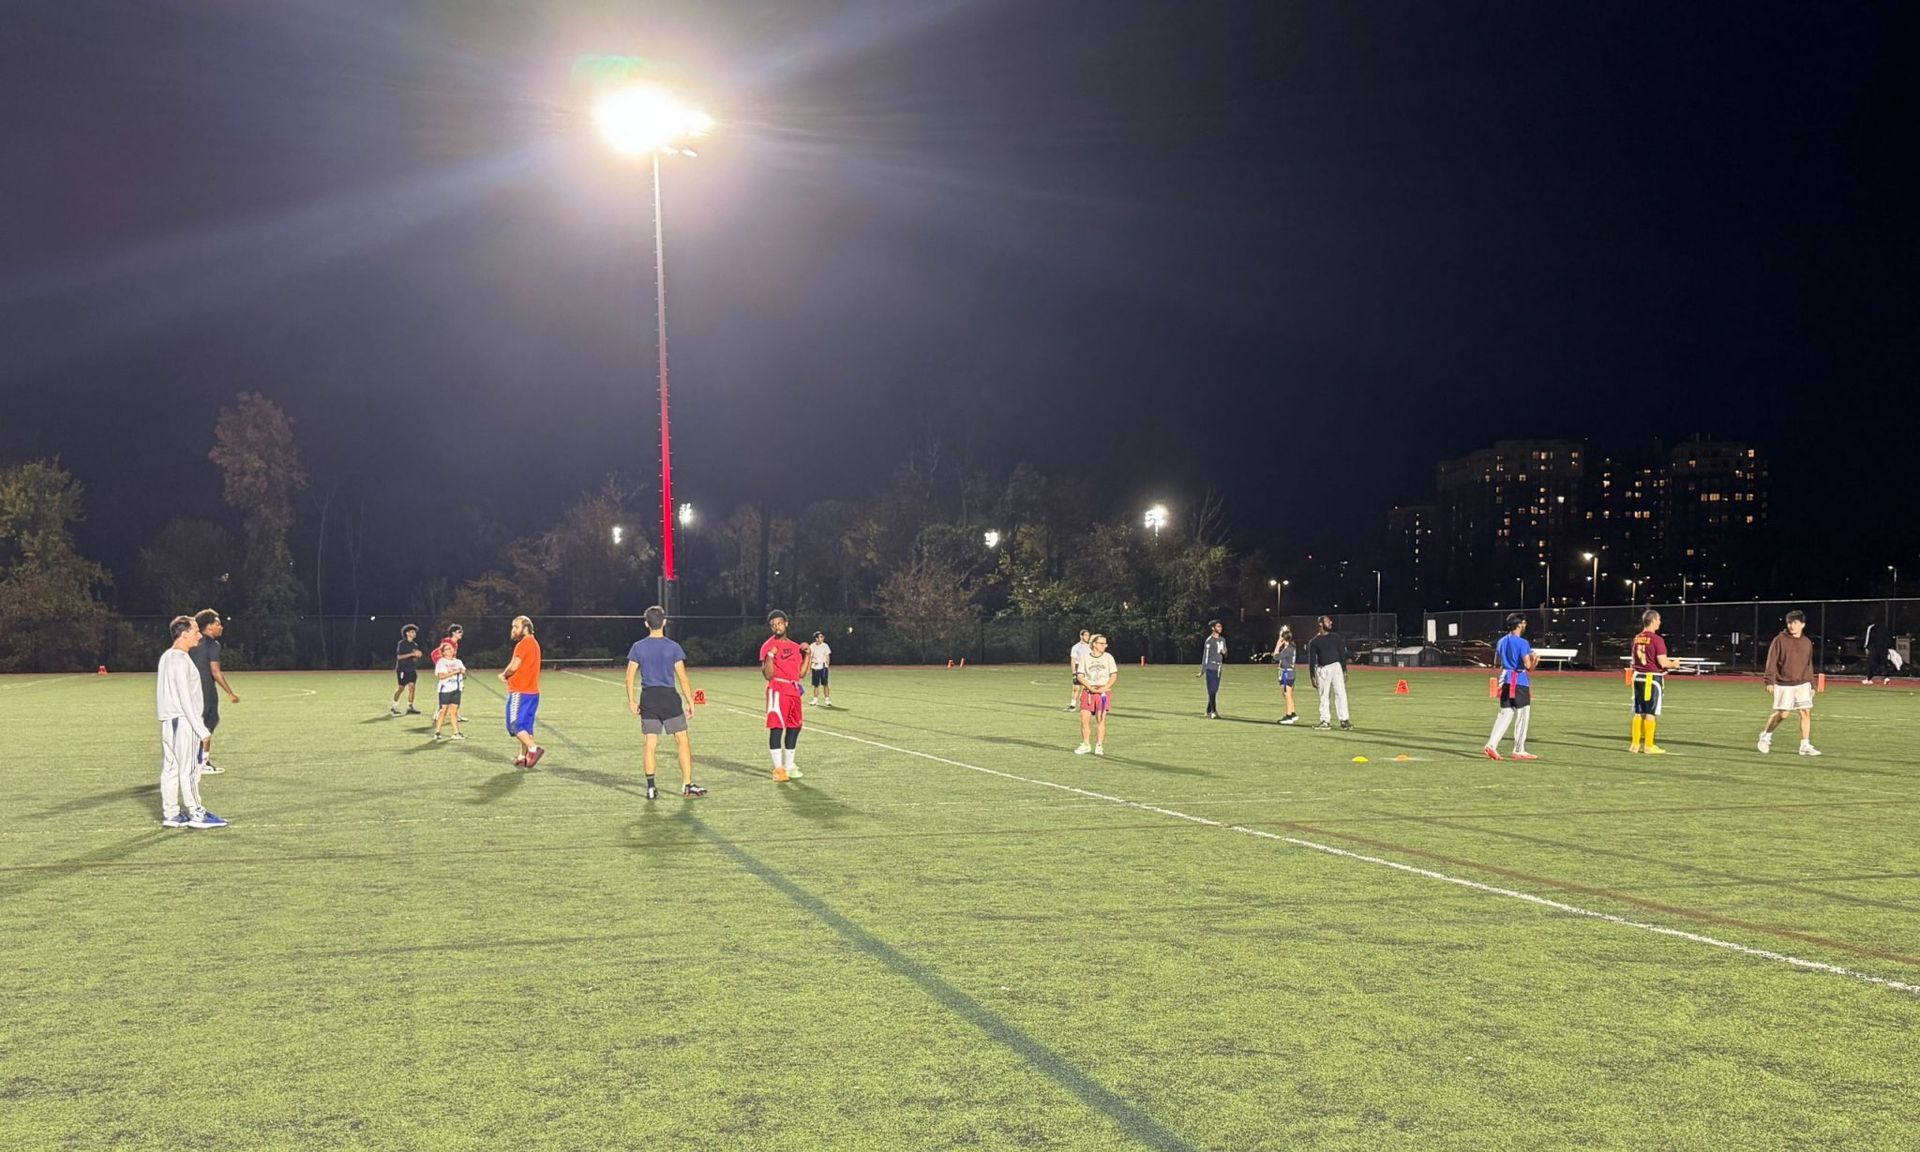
x=1515 y=659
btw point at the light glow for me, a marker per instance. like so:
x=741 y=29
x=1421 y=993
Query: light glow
x=637 y=121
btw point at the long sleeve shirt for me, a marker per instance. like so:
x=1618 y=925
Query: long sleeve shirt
x=177 y=692
x=1789 y=661
x=1213 y=652
x=1326 y=650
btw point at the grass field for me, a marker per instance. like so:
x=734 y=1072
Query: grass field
x=954 y=933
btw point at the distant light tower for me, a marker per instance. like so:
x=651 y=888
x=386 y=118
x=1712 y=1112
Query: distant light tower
x=1595 y=557
x=1156 y=519
x=990 y=538
x=1278 y=586
x=647 y=121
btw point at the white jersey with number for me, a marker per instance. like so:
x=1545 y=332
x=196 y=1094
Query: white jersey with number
x=1082 y=652
x=451 y=673
x=1100 y=670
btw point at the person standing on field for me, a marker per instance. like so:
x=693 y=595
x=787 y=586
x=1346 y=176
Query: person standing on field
x=183 y=726
x=1789 y=676
x=1096 y=698
x=1213 y=658
x=1517 y=660
x=1077 y=663
x=406 y=669
x=820 y=657
x=1285 y=659
x=206 y=658
x=522 y=677
x=1327 y=666
x=661 y=700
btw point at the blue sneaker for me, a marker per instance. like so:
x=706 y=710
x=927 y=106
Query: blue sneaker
x=205 y=819
x=177 y=820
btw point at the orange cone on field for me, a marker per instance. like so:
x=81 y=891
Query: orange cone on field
x=1400 y=689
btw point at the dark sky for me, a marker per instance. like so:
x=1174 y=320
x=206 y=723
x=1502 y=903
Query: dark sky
x=1297 y=251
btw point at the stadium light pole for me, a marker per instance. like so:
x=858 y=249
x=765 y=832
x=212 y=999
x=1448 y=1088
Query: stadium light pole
x=686 y=516
x=990 y=538
x=1156 y=519
x=1595 y=557
x=1279 y=586
x=649 y=121
x=1633 y=590
x=1376 y=593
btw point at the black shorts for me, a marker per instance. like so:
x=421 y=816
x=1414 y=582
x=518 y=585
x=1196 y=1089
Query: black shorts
x=211 y=713
x=820 y=677
x=661 y=711
x=452 y=698
x=1516 y=695
x=1648 y=688
x=405 y=675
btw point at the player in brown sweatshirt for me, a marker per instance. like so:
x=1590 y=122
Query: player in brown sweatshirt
x=1789 y=675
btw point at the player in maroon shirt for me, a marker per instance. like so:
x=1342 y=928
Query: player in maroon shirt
x=783 y=662
x=1650 y=666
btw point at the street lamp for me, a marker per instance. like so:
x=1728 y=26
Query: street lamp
x=1633 y=590
x=647 y=121
x=1278 y=587
x=1376 y=596
x=1156 y=518
x=618 y=532
x=1896 y=580
x=991 y=538
x=1549 y=570
x=1595 y=557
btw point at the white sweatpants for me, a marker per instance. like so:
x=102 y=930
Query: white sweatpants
x=179 y=768
x=1332 y=681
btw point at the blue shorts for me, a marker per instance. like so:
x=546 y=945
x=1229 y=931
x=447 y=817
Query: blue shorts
x=521 y=708
x=1286 y=678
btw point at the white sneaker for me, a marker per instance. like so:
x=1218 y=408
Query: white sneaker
x=1765 y=745
x=1099 y=749
x=1083 y=750
x=1809 y=750
x=793 y=772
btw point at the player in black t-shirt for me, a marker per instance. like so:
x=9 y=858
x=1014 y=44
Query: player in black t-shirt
x=406 y=669
x=213 y=681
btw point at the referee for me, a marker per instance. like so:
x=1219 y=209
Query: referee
x=661 y=666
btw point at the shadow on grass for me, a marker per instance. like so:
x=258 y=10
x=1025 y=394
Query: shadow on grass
x=20 y=878
x=498 y=787
x=101 y=799
x=811 y=804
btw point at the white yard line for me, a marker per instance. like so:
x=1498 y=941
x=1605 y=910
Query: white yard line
x=1398 y=866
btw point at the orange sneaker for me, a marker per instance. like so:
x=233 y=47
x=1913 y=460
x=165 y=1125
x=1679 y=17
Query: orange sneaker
x=779 y=775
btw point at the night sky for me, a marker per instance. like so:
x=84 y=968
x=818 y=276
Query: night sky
x=1298 y=252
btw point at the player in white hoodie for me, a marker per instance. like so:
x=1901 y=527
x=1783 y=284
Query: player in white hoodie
x=183 y=726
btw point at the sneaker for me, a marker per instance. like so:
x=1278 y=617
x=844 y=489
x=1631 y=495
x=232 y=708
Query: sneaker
x=1346 y=725
x=1492 y=752
x=437 y=737
x=653 y=791
x=1069 y=708
x=1524 y=756
x=394 y=711
x=692 y=790
x=1211 y=716
x=205 y=819
x=1290 y=718
x=177 y=820
x=1655 y=750
x=1765 y=745
x=1867 y=680
x=1634 y=748
x=793 y=771
x=456 y=736
x=1809 y=750
x=533 y=757
x=412 y=711
x=211 y=769
x=520 y=761
x=779 y=775
x=828 y=704
x=1083 y=750
x=1099 y=749
x=1323 y=726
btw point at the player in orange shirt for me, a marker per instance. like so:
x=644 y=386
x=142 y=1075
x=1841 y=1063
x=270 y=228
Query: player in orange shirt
x=522 y=677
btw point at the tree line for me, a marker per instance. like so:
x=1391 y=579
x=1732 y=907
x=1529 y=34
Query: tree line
x=943 y=544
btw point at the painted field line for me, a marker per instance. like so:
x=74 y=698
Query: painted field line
x=1398 y=866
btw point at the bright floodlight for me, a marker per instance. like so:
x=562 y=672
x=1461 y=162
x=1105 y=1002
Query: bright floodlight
x=618 y=532
x=991 y=538
x=1156 y=518
x=642 y=120
x=686 y=515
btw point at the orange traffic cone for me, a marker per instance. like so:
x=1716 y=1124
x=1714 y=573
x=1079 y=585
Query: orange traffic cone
x=699 y=695
x=949 y=661
x=1493 y=687
x=103 y=672
x=1400 y=689
x=1819 y=682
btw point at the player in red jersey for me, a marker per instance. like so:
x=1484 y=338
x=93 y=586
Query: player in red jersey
x=1650 y=666
x=783 y=662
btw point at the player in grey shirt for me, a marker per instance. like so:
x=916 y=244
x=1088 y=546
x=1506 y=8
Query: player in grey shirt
x=1213 y=657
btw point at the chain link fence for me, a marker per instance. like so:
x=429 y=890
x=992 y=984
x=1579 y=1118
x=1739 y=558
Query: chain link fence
x=362 y=642
x=1735 y=634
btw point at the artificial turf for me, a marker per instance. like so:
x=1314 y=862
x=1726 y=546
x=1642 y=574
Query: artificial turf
x=951 y=933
